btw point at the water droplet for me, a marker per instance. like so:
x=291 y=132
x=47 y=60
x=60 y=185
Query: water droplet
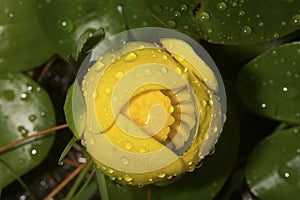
x=25 y=96
x=110 y=171
x=241 y=13
x=215 y=129
x=33 y=151
x=296 y=19
x=32 y=118
x=246 y=30
x=276 y=35
x=99 y=66
x=124 y=161
x=288 y=73
x=161 y=175
x=147 y=72
x=199 y=165
x=261 y=23
x=119 y=75
x=157 y=8
x=9 y=95
x=11 y=15
x=183 y=7
x=163 y=70
x=204 y=16
x=288 y=174
x=222 y=6
x=131 y=57
x=142 y=150
x=274 y=53
x=128 y=146
x=171 y=23
x=283 y=23
x=177 y=14
x=128 y=178
x=66 y=26
x=263 y=105
x=203 y=103
x=23 y=131
x=43 y=114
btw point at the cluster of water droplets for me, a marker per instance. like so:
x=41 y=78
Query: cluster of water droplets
x=173 y=13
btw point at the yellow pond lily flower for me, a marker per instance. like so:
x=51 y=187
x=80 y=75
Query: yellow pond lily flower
x=153 y=110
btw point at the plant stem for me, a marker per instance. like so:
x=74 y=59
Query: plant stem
x=17 y=142
x=65 y=182
x=45 y=69
x=102 y=184
x=79 y=180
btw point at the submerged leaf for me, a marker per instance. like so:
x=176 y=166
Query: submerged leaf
x=25 y=108
x=269 y=84
x=273 y=169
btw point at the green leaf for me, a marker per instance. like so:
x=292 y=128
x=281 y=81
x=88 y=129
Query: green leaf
x=273 y=169
x=33 y=30
x=25 y=108
x=269 y=84
x=229 y=21
x=65 y=20
x=24 y=45
x=68 y=109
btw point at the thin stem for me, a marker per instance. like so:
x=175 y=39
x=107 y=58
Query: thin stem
x=45 y=69
x=86 y=184
x=102 y=184
x=17 y=142
x=79 y=180
x=65 y=182
x=70 y=162
x=148 y=193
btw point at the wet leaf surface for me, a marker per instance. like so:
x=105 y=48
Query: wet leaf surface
x=35 y=30
x=269 y=84
x=229 y=21
x=25 y=108
x=23 y=44
x=273 y=168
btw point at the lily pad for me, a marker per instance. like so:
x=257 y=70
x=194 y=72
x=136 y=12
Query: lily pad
x=25 y=108
x=229 y=21
x=273 y=168
x=34 y=30
x=269 y=84
x=24 y=45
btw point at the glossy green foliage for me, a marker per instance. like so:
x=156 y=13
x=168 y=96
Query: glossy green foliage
x=33 y=30
x=269 y=84
x=229 y=21
x=23 y=44
x=25 y=108
x=273 y=169
x=203 y=183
